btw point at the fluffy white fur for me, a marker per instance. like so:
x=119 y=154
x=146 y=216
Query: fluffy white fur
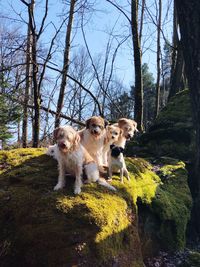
x=52 y=151
x=72 y=157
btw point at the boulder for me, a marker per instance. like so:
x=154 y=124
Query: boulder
x=41 y=227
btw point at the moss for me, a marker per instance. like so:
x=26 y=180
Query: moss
x=46 y=228
x=98 y=227
x=172 y=133
x=170 y=209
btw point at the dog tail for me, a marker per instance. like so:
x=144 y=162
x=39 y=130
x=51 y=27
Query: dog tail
x=103 y=182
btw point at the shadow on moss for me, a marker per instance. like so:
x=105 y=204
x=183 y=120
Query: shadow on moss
x=41 y=227
x=99 y=227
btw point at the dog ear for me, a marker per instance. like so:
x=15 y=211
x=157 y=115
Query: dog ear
x=111 y=146
x=135 y=126
x=106 y=123
x=77 y=140
x=122 y=121
x=55 y=133
x=87 y=123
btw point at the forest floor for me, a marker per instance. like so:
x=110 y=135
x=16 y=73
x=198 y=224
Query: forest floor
x=189 y=257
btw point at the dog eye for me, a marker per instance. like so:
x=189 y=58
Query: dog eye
x=93 y=125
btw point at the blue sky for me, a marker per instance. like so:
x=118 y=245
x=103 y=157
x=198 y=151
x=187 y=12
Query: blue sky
x=99 y=22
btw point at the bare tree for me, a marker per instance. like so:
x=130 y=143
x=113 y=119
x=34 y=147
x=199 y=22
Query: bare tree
x=65 y=63
x=158 y=57
x=178 y=79
x=189 y=20
x=27 y=87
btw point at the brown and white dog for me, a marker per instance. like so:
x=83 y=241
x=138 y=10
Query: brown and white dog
x=92 y=138
x=129 y=127
x=113 y=133
x=72 y=158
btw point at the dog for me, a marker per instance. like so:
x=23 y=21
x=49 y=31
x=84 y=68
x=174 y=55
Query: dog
x=116 y=162
x=73 y=158
x=129 y=128
x=113 y=133
x=52 y=151
x=92 y=138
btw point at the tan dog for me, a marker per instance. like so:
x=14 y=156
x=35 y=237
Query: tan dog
x=129 y=127
x=73 y=158
x=113 y=133
x=92 y=138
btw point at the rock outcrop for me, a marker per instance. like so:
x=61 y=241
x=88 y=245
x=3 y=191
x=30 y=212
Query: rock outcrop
x=40 y=227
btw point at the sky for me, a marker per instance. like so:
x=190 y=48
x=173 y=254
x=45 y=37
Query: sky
x=99 y=24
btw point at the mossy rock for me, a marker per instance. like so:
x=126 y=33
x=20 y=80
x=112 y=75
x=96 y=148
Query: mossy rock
x=40 y=227
x=163 y=223
x=172 y=133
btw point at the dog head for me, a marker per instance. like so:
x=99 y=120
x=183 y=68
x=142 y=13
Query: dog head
x=128 y=126
x=116 y=151
x=67 y=138
x=96 y=126
x=113 y=132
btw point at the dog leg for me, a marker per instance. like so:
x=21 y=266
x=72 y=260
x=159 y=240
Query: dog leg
x=126 y=174
x=122 y=175
x=103 y=182
x=110 y=172
x=61 y=177
x=78 y=181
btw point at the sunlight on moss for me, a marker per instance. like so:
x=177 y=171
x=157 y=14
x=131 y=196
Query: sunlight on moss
x=96 y=222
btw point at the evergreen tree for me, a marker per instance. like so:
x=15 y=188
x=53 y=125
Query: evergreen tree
x=9 y=115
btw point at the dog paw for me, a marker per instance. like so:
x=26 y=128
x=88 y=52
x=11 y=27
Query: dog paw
x=58 y=186
x=77 y=190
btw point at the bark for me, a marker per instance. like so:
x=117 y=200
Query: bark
x=158 y=59
x=36 y=89
x=141 y=19
x=177 y=80
x=189 y=21
x=27 y=89
x=65 y=64
x=138 y=108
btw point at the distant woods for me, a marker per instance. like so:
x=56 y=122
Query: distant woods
x=50 y=74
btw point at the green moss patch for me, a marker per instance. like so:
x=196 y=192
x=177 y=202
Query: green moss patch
x=99 y=227
x=172 y=133
x=164 y=222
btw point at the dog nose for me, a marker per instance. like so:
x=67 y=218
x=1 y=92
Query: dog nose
x=62 y=145
x=113 y=137
x=95 y=131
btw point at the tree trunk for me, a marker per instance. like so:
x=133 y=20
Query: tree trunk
x=36 y=89
x=141 y=19
x=158 y=59
x=138 y=108
x=177 y=79
x=189 y=21
x=177 y=76
x=27 y=89
x=65 y=64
